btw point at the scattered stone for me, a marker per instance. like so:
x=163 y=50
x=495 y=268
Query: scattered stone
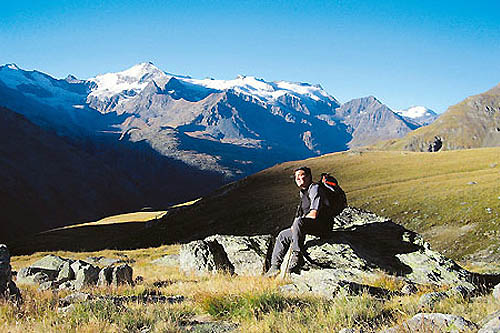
x=85 y=274
x=48 y=285
x=430 y=299
x=122 y=275
x=105 y=276
x=65 y=273
x=103 y=261
x=409 y=289
x=53 y=272
x=68 y=285
x=8 y=289
x=246 y=254
x=434 y=322
x=491 y=324
x=496 y=292
x=49 y=263
x=200 y=257
x=167 y=260
x=77 y=297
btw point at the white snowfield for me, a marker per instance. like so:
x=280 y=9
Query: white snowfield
x=134 y=79
x=38 y=85
x=137 y=78
x=416 y=112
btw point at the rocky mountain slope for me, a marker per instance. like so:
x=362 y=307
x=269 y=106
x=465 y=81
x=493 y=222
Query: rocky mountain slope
x=50 y=181
x=419 y=114
x=472 y=123
x=233 y=127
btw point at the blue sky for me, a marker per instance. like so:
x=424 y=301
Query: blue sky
x=432 y=53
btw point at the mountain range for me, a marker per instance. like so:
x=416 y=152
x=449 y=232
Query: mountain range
x=472 y=123
x=144 y=137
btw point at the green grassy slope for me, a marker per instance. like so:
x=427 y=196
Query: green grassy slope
x=451 y=197
x=472 y=123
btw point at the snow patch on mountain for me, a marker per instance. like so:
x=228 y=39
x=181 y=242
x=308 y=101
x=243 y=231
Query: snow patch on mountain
x=266 y=91
x=41 y=86
x=416 y=112
x=132 y=81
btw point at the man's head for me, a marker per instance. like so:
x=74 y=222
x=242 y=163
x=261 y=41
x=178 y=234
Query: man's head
x=303 y=177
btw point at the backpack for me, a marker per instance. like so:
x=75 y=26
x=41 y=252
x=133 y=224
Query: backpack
x=337 y=199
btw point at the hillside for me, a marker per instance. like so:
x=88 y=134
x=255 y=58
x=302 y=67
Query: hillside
x=472 y=123
x=452 y=198
x=48 y=180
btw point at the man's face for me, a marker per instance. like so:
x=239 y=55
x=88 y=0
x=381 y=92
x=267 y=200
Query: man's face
x=302 y=179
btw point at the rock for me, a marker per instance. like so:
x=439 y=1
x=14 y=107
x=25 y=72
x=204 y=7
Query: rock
x=48 y=285
x=200 y=257
x=85 y=274
x=362 y=245
x=105 y=276
x=496 y=292
x=103 y=261
x=167 y=260
x=491 y=324
x=49 y=263
x=122 y=275
x=65 y=273
x=434 y=322
x=430 y=299
x=68 y=285
x=246 y=254
x=409 y=289
x=77 y=297
x=29 y=275
x=8 y=289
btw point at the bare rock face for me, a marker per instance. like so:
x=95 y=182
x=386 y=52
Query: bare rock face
x=53 y=272
x=491 y=323
x=8 y=289
x=496 y=292
x=242 y=255
x=360 y=246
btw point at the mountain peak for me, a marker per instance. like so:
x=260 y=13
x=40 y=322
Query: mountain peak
x=12 y=66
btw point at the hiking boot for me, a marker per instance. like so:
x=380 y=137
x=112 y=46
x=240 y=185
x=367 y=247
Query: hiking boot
x=295 y=263
x=273 y=271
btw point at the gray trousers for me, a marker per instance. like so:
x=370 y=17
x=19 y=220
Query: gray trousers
x=294 y=237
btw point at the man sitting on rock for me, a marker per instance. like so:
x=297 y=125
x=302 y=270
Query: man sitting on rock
x=313 y=217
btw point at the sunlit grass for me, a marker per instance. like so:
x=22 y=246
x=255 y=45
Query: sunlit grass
x=255 y=304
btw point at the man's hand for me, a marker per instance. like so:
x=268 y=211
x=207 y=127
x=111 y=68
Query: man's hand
x=312 y=214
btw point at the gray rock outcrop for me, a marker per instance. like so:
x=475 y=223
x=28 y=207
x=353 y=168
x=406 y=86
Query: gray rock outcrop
x=496 y=292
x=491 y=323
x=8 y=289
x=434 y=322
x=53 y=272
x=361 y=245
x=243 y=255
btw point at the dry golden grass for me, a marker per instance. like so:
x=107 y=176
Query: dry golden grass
x=254 y=303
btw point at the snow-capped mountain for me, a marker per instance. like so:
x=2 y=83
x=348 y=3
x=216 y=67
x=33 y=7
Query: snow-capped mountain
x=420 y=114
x=234 y=127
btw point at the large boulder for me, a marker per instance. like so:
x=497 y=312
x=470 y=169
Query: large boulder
x=246 y=254
x=200 y=257
x=496 y=292
x=491 y=323
x=434 y=322
x=8 y=289
x=360 y=246
x=85 y=274
x=242 y=255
